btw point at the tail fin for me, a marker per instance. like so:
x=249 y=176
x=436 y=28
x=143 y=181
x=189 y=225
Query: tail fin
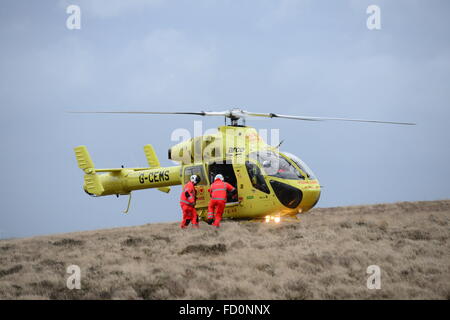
x=92 y=184
x=153 y=162
x=83 y=158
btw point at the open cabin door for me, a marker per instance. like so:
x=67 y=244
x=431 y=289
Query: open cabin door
x=227 y=171
x=202 y=187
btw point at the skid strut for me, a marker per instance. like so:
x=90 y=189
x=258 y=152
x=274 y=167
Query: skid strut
x=129 y=202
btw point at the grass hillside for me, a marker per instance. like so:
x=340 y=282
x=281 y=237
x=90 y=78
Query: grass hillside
x=322 y=255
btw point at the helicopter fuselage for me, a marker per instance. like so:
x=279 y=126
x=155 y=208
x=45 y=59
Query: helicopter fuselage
x=269 y=183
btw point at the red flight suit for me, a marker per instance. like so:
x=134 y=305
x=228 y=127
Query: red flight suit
x=187 y=203
x=218 y=200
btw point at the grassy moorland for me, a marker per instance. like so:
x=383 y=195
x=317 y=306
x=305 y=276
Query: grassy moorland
x=322 y=255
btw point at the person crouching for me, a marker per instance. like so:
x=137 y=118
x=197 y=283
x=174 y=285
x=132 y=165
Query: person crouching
x=187 y=202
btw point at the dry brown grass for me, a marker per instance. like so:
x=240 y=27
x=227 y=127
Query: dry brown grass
x=323 y=255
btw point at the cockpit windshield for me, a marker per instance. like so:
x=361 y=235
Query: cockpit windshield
x=276 y=166
x=303 y=166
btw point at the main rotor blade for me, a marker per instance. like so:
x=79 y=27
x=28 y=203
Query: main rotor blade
x=201 y=113
x=275 y=115
x=238 y=113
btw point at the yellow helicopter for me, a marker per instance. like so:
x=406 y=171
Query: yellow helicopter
x=270 y=184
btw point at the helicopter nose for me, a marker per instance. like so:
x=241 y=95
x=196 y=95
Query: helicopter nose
x=316 y=196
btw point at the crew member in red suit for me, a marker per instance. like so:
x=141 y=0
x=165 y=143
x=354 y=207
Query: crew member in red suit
x=187 y=202
x=218 y=200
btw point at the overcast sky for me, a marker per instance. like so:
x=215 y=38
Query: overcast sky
x=303 y=57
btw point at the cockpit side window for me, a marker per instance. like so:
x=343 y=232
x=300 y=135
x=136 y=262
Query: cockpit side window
x=256 y=178
x=276 y=166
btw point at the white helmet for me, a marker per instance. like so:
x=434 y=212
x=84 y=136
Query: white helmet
x=195 y=179
x=219 y=176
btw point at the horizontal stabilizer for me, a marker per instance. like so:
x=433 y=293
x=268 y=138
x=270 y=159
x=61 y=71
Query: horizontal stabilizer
x=164 y=189
x=150 y=154
x=153 y=162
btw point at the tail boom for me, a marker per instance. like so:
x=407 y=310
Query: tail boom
x=103 y=182
x=126 y=180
